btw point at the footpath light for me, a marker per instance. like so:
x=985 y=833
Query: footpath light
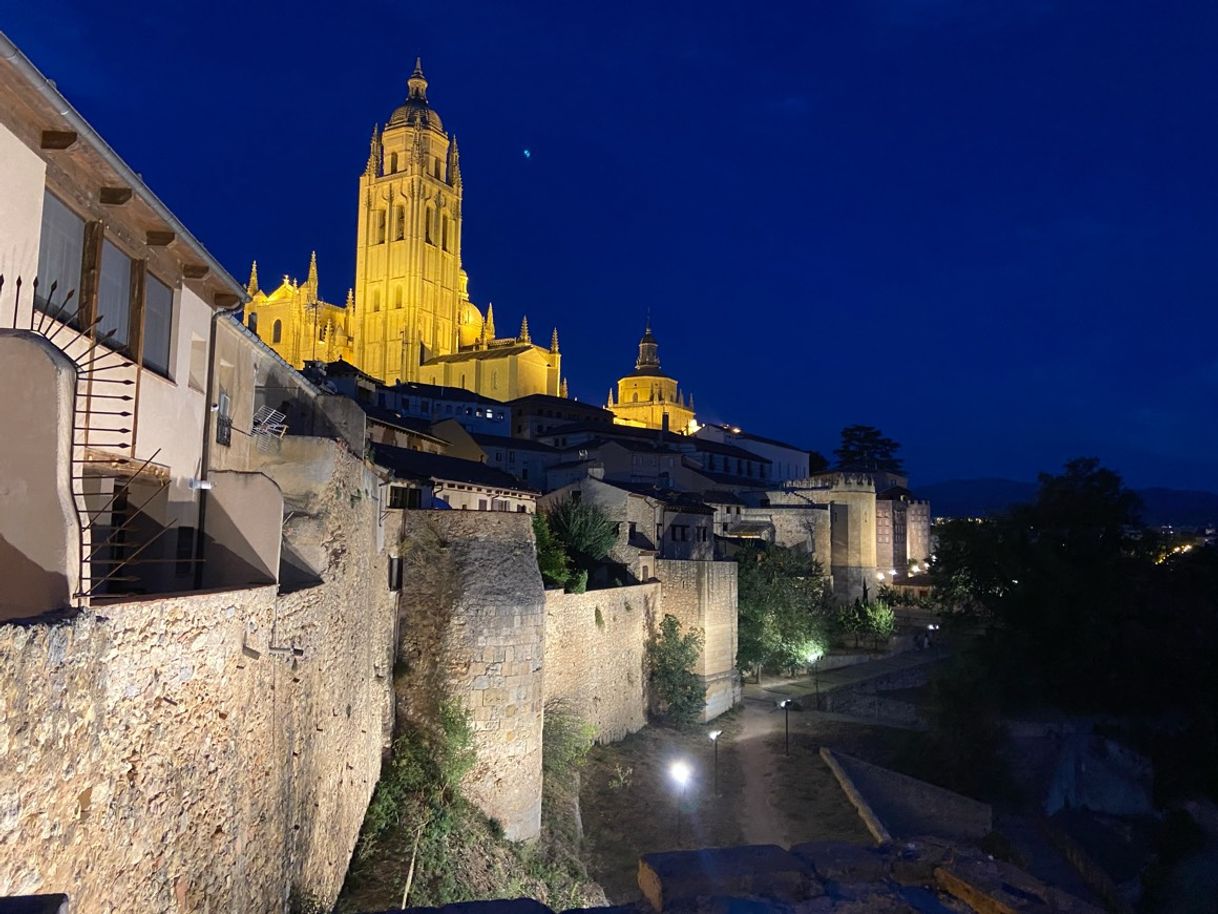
x=788 y=705
x=680 y=773
x=714 y=738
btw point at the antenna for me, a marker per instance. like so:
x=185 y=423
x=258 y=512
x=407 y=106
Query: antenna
x=268 y=425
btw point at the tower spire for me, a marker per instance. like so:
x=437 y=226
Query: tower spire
x=554 y=340
x=524 y=331
x=490 y=321
x=311 y=281
x=454 y=163
x=373 y=168
x=417 y=84
x=563 y=390
x=251 y=287
x=649 y=349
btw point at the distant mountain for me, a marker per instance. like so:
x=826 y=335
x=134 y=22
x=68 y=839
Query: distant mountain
x=981 y=497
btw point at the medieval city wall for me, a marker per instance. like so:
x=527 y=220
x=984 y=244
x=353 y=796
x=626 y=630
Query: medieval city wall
x=596 y=655
x=703 y=595
x=472 y=629
x=206 y=751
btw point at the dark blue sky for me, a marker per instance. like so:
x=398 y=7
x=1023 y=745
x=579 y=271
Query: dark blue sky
x=989 y=228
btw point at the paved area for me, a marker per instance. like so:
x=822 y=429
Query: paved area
x=774 y=689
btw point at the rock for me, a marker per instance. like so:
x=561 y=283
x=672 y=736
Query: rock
x=669 y=880
x=843 y=862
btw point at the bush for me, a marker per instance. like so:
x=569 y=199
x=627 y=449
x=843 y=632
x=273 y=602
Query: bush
x=578 y=582
x=584 y=530
x=676 y=688
x=881 y=621
x=552 y=560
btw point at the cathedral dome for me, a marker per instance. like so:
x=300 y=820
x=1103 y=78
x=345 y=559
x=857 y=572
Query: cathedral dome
x=469 y=324
x=415 y=110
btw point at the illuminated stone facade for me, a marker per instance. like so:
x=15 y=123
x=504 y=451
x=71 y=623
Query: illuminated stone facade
x=648 y=398
x=409 y=316
x=296 y=323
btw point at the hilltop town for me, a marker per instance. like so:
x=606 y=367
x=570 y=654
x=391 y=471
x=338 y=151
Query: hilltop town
x=258 y=547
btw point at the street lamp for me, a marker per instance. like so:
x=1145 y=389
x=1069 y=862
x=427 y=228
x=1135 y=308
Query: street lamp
x=680 y=772
x=787 y=704
x=714 y=738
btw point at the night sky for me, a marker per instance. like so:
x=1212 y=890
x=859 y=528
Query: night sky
x=990 y=229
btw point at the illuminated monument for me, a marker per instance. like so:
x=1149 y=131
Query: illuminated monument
x=410 y=317
x=648 y=398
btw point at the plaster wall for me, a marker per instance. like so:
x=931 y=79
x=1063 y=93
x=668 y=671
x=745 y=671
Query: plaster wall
x=204 y=752
x=21 y=189
x=595 y=655
x=39 y=561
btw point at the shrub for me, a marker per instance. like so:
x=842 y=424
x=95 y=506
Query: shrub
x=584 y=529
x=578 y=582
x=552 y=560
x=676 y=688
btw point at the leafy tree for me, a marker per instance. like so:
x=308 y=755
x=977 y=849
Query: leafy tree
x=552 y=558
x=676 y=687
x=817 y=462
x=881 y=621
x=865 y=449
x=783 y=605
x=584 y=529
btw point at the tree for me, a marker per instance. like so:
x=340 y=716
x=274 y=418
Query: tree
x=584 y=529
x=675 y=686
x=865 y=449
x=783 y=602
x=552 y=560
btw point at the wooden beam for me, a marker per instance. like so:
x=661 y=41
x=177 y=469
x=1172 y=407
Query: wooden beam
x=58 y=139
x=115 y=196
x=157 y=238
x=195 y=270
x=225 y=300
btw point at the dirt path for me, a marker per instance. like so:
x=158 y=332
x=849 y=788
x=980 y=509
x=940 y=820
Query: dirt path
x=761 y=821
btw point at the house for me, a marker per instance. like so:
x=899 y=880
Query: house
x=438 y=481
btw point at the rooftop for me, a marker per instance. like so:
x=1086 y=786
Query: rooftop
x=407 y=464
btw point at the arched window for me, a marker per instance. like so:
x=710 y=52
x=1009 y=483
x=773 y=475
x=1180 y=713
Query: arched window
x=393 y=162
x=445 y=234
x=378 y=227
x=494 y=379
x=397 y=297
x=429 y=234
x=277 y=332
x=634 y=397
x=399 y=223
x=376 y=301
x=252 y=321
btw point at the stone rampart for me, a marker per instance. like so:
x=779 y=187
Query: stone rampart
x=703 y=595
x=471 y=628
x=596 y=654
x=211 y=751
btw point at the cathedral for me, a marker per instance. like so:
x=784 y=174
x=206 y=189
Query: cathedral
x=409 y=316
x=648 y=398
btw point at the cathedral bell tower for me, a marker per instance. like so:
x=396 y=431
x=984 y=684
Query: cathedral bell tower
x=408 y=242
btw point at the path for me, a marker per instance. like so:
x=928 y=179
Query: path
x=759 y=818
x=773 y=688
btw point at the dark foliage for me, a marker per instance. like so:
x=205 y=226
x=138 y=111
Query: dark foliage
x=865 y=449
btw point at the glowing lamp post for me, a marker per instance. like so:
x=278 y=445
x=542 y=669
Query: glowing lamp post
x=680 y=772
x=714 y=738
x=787 y=704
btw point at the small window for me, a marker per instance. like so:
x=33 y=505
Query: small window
x=378 y=232
x=60 y=254
x=114 y=297
x=252 y=321
x=158 y=324
x=277 y=332
x=399 y=223
x=393 y=163
x=445 y=234
x=429 y=234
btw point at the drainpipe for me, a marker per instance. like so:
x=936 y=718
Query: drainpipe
x=205 y=451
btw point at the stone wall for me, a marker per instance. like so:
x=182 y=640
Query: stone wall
x=596 y=653
x=471 y=627
x=703 y=595
x=203 y=752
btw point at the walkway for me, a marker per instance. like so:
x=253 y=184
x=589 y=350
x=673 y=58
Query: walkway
x=773 y=688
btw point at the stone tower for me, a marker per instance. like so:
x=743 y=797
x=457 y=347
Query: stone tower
x=408 y=279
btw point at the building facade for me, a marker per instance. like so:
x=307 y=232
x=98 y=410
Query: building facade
x=408 y=317
x=648 y=398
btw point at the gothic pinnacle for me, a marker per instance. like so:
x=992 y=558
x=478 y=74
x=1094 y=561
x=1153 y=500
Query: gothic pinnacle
x=372 y=169
x=312 y=280
x=490 y=320
x=252 y=286
x=524 y=331
x=554 y=340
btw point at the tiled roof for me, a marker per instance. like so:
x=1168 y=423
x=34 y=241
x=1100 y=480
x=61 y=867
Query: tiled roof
x=407 y=464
